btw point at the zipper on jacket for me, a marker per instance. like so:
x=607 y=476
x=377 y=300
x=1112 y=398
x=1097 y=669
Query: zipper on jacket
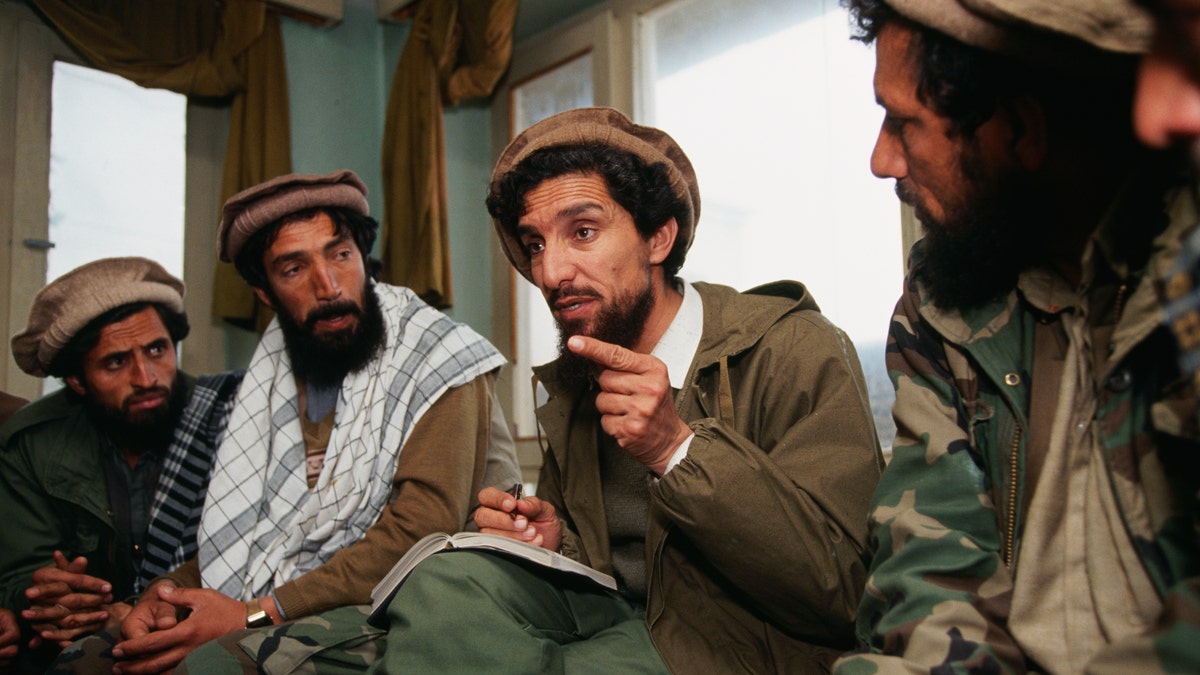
x=1012 y=498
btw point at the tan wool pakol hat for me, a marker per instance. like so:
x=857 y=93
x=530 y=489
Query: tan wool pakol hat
x=257 y=207
x=603 y=126
x=1038 y=30
x=69 y=303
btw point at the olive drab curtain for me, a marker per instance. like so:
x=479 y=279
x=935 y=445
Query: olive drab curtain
x=456 y=49
x=259 y=149
x=202 y=49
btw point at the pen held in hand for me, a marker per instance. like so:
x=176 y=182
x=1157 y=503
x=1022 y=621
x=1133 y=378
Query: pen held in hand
x=518 y=492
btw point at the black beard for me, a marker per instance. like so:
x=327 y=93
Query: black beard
x=620 y=324
x=143 y=430
x=324 y=360
x=976 y=254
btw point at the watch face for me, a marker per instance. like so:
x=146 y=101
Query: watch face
x=258 y=619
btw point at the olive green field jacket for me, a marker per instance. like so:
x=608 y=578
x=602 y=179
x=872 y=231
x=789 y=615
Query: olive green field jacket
x=756 y=543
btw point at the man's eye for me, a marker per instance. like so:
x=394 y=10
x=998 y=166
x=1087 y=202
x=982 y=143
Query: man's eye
x=534 y=247
x=343 y=254
x=290 y=271
x=585 y=232
x=112 y=363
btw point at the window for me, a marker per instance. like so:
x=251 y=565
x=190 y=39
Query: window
x=773 y=103
x=30 y=56
x=116 y=171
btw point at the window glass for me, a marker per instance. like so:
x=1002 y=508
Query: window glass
x=116 y=170
x=774 y=105
x=117 y=158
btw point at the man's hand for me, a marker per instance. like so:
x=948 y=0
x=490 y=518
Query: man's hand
x=151 y=612
x=10 y=633
x=528 y=519
x=635 y=402
x=153 y=643
x=66 y=603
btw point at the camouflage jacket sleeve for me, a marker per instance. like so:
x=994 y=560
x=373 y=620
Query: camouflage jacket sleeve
x=938 y=593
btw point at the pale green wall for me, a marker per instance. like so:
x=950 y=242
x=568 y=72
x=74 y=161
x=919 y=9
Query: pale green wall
x=338 y=83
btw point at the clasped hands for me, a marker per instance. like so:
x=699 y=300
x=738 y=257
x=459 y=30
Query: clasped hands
x=155 y=639
x=65 y=602
x=636 y=408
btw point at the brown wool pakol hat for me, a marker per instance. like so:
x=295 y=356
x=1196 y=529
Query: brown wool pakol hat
x=70 y=302
x=604 y=126
x=254 y=208
x=1049 y=31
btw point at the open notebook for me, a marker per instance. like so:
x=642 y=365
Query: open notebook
x=440 y=541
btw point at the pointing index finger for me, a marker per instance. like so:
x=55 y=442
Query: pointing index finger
x=610 y=356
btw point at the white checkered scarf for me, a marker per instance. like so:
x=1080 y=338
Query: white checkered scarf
x=261 y=525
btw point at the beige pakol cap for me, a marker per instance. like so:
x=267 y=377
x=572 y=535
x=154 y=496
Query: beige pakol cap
x=257 y=207
x=1035 y=29
x=72 y=301
x=604 y=126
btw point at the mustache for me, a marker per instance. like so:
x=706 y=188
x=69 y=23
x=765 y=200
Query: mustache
x=569 y=292
x=145 y=394
x=332 y=310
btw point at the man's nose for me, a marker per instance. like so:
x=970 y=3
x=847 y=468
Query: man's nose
x=887 y=159
x=325 y=284
x=143 y=375
x=557 y=266
x=1167 y=104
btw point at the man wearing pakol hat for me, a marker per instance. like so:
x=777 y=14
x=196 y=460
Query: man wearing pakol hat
x=365 y=422
x=102 y=482
x=713 y=450
x=1039 y=512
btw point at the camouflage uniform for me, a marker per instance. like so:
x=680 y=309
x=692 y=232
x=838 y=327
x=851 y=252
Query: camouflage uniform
x=948 y=516
x=1183 y=306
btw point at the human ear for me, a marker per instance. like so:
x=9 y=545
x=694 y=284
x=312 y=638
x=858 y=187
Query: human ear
x=662 y=241
x=263 y=297
x=75 y=385
x=1027 y=119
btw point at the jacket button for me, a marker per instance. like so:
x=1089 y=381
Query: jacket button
x=1120 y=380
x=1012 y=379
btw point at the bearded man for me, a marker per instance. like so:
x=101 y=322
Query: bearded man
x=364 y=423
x=713 y=450
x=102 y=482
x=1039 y=513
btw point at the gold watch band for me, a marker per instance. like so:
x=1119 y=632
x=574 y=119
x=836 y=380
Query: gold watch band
x=256 y=616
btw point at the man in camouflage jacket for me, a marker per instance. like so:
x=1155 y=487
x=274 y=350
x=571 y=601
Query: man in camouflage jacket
x=1039 y=511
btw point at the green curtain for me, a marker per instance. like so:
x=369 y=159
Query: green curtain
x=456 y=49
x=203 y=49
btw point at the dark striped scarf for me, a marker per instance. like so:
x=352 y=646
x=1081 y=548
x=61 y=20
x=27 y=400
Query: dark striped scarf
x=179 y=496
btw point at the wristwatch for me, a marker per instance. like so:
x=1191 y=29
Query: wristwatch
x=256 y=616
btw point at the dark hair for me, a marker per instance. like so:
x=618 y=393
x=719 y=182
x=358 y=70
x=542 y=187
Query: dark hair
x=968 y=85
x=69 y=360
x=362 y=229
x=642 y=189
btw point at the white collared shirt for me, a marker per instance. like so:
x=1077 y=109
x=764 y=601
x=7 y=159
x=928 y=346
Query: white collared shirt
x=677 y=347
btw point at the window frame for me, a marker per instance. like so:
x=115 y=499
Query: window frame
x=28 y=50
